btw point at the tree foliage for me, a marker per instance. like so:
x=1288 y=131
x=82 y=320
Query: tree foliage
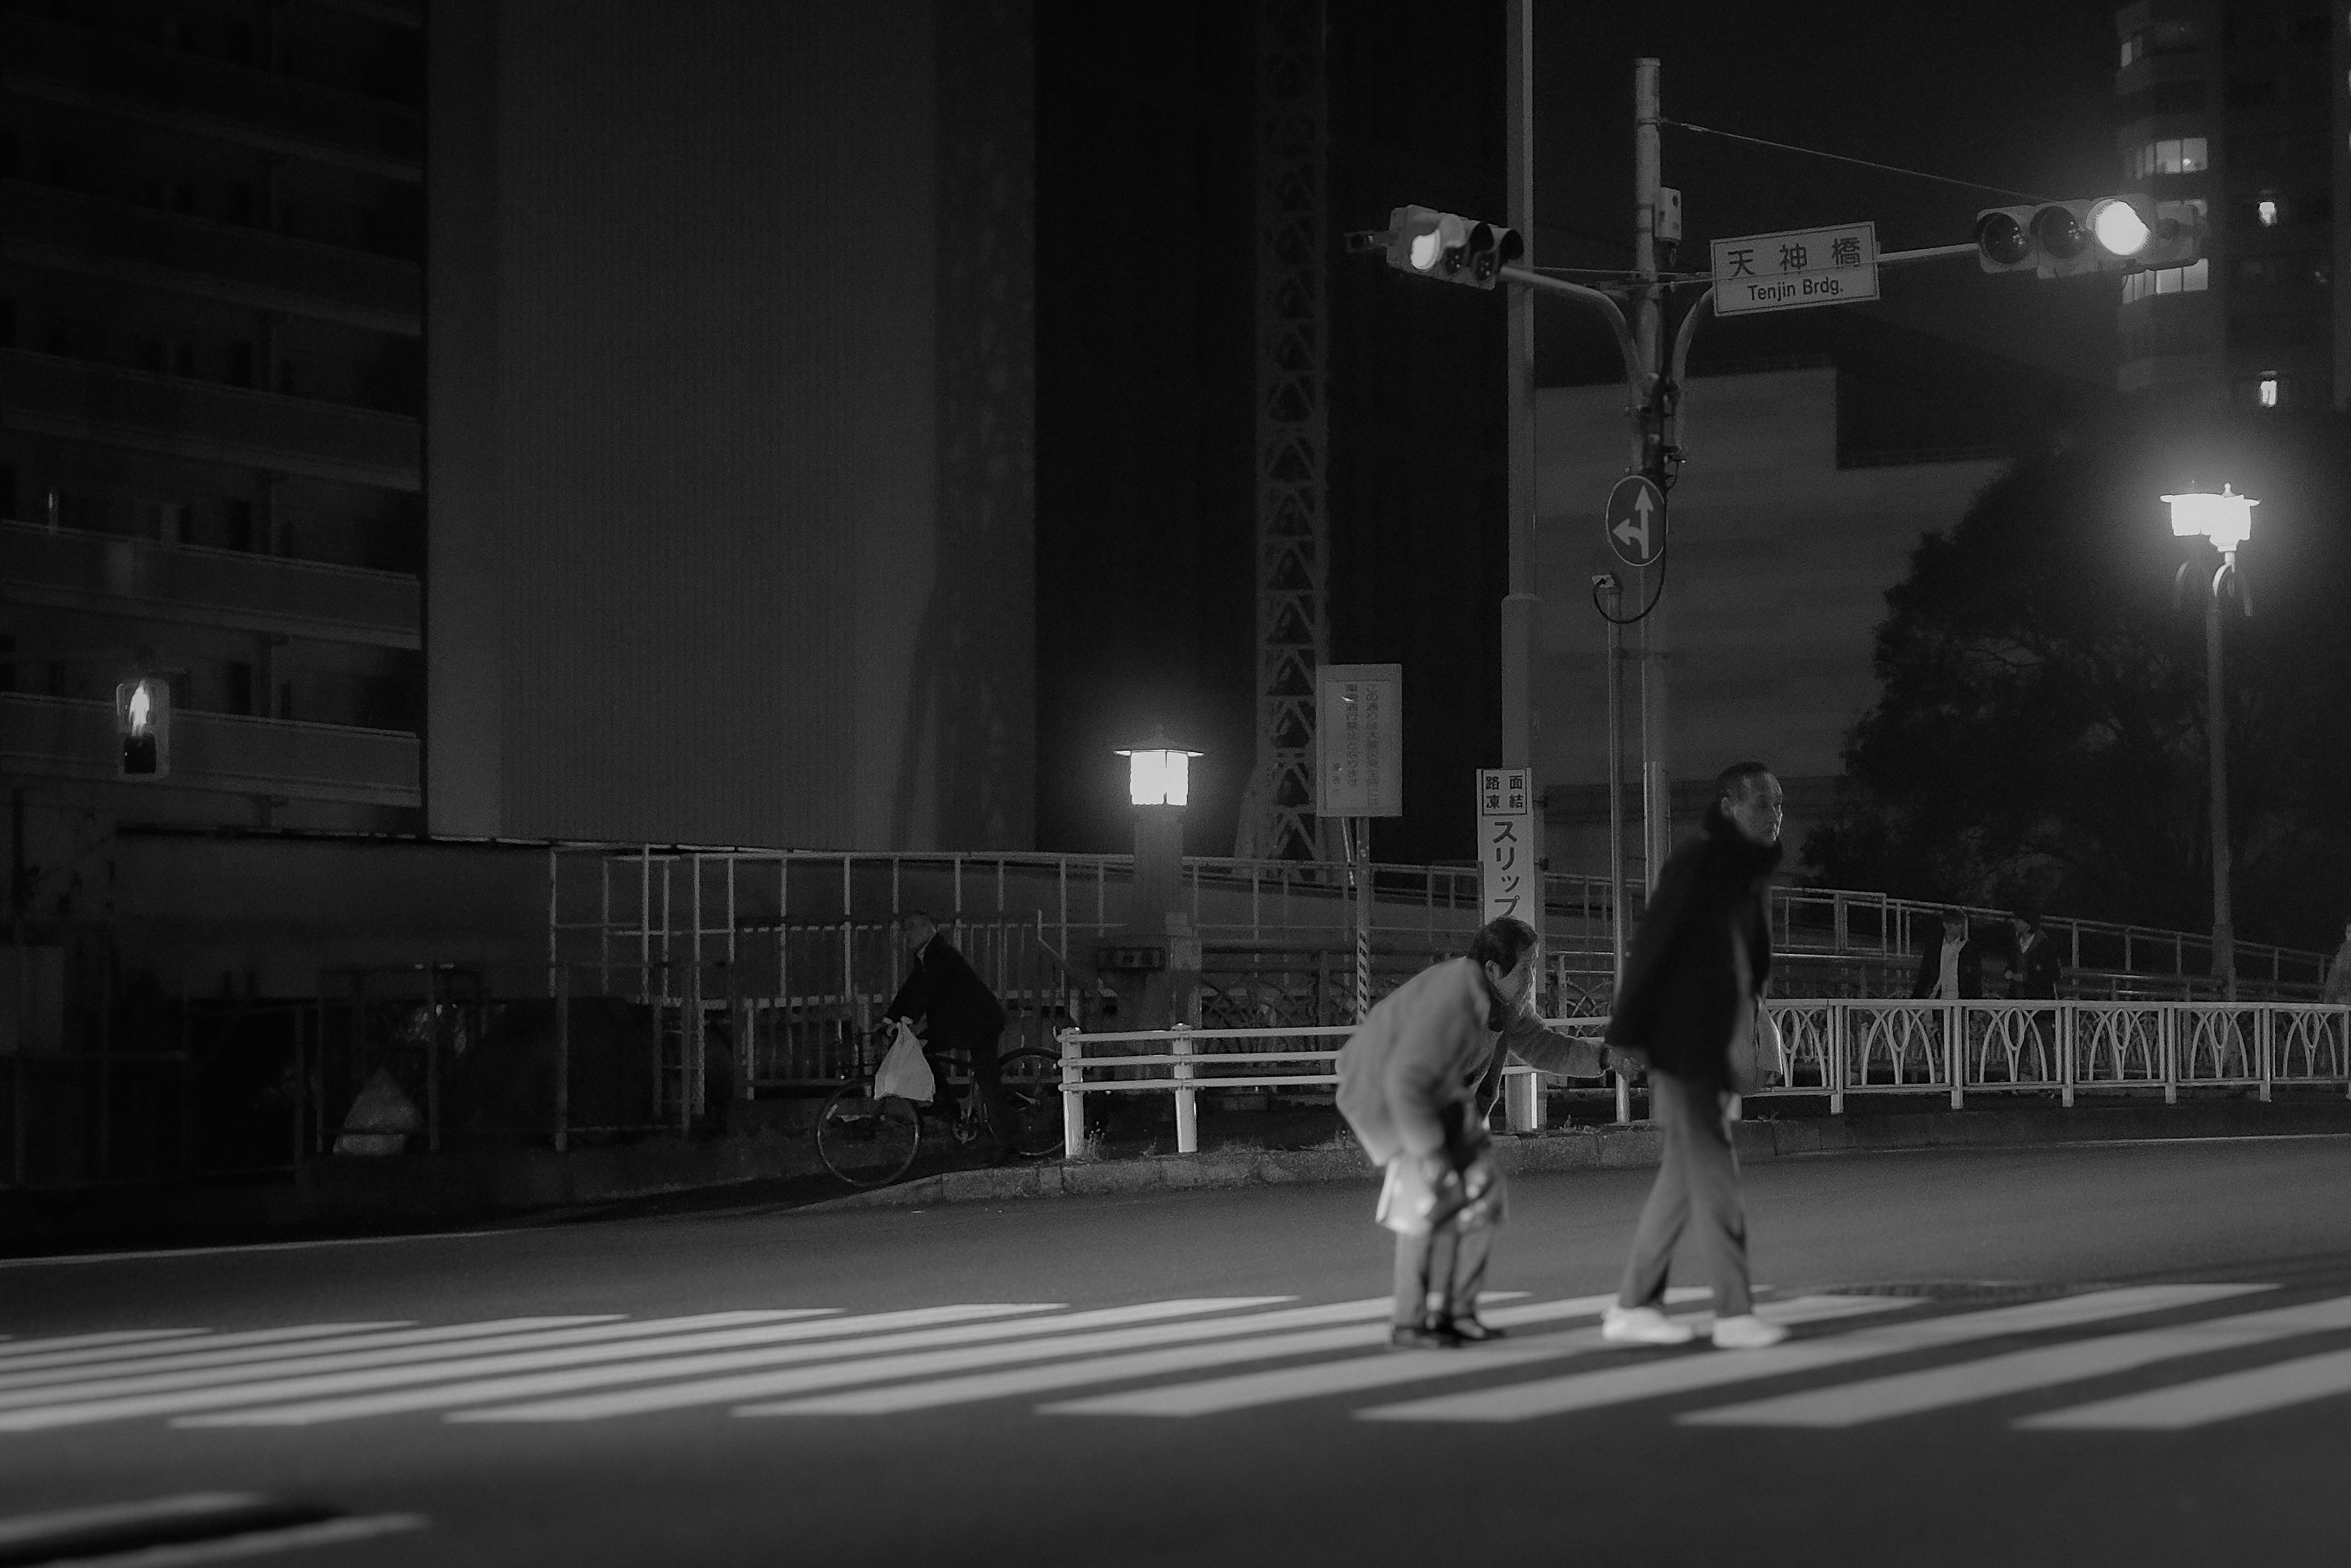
x=2039 y=734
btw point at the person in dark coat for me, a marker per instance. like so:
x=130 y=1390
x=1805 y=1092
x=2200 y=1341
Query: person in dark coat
x=2032 y=975
x=1692 y=990
x=1952 y=970
x=953 y=1009
x=2034 y=966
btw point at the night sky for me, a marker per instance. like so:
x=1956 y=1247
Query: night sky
x=1145 y=446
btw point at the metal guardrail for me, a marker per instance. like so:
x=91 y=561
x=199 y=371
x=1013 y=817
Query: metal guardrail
x=1835 y=1047
x=614 y=904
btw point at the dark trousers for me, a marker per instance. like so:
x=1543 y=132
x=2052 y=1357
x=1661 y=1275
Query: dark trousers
x=1697 y=1187
x=986 y=1076
x=1446 y=1266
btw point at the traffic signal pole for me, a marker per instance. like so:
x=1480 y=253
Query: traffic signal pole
x=1650 y=394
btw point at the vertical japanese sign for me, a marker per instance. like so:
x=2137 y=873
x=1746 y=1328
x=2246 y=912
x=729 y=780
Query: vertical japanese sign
x=1507 y=875
x=1359 y=741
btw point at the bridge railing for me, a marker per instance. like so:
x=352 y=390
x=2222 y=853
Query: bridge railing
x=1832 y=1047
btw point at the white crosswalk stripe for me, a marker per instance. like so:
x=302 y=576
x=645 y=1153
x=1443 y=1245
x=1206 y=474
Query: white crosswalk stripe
x=411 y=1347
x=519 y=1377
x=1188 y=1358
x=974 y=1388
x=2020 y=1372
x=1360 y=1374
x=872 y=1369
x=1661 y=1376
x=235 y=1349
x=2227 y=1397
x=13 y=1348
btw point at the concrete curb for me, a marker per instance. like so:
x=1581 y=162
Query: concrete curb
x=1631 y=1147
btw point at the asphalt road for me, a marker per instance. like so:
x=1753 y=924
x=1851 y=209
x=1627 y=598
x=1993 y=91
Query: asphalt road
x=2111 y=1353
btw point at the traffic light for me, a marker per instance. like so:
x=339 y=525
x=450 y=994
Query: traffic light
x=2101 y=234
x=142 y=729
x=1430 y=243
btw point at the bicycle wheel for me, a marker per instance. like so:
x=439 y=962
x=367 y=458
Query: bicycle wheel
x=863 y=1141
x=1032 y=1101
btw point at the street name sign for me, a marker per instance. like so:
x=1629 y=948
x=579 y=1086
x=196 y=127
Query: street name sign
x=1359 y=741
x=1791 y=271
x=1635 y=520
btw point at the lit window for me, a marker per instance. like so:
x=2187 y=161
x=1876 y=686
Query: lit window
x=2193 y=155
x=2266 y=391
x=2196 y=275
x=2167 y=281
x=2267 y=210
x=2166 y=156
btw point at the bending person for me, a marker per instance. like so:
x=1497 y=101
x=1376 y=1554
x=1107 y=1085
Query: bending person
x=1408 y=1084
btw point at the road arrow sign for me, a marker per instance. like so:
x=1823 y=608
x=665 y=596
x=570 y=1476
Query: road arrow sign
x=1635 y=520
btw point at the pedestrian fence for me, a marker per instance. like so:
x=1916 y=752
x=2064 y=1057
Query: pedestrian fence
x=1837 y=1047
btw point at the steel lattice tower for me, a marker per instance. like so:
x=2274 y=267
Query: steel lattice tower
x=1277 y=818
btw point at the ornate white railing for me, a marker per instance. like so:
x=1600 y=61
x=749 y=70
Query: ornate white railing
x=1837 y=1047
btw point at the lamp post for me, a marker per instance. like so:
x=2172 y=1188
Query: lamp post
x=1154 y=963
x=2226 y=519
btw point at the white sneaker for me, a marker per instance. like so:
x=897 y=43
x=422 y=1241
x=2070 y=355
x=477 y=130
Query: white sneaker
x=1747 y=1333
x=1643 y=1325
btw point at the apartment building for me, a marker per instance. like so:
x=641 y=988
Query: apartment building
x=212 y=230
x=2245 y=108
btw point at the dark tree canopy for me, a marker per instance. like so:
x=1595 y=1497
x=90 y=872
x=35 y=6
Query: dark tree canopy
x=2039 y=737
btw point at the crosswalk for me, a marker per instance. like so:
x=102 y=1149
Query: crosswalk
x=2130 y=1358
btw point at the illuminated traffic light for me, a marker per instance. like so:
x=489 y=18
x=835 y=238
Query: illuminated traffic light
x=1430 y=243
x=2102 y=233
x=142 y=729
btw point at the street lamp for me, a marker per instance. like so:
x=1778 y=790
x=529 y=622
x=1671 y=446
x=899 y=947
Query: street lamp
x=2226 y=519
x=1159 y=783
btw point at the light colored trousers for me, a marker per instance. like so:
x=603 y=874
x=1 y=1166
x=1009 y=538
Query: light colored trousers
x=1697 y=1187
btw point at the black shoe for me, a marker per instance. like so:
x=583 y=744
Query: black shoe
x=1423 y=1336
x=1471 y=1330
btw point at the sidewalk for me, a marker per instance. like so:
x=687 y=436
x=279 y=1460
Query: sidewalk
x=341 y=1197
x=1590 y=1148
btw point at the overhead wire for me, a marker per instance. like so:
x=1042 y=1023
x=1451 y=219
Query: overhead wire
x=1861 y=162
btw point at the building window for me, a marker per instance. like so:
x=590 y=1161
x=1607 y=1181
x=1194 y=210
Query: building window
x=2265 y=390
x=2163 y=38
x=2172 y=155
x=2269 y=211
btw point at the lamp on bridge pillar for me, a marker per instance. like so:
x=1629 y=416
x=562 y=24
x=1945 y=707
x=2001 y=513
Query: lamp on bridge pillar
x=1155 y=964
x=2226 y=519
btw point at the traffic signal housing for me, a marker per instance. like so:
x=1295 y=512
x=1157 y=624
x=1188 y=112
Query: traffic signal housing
x=142 y=729
x=2099 y=233
x=1446 y=245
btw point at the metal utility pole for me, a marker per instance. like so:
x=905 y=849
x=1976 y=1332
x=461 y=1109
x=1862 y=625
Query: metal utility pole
x=1520 y=603
x=2224 y=936
x=1649 y=391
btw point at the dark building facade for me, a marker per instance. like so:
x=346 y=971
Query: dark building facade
x=211 y=385
x=2242 y=107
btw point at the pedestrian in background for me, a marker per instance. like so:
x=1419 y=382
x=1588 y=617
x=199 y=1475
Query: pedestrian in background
x=2032 y=975
x=2338 y=973
x=1953 y=970
x=953 y=1009
x=1407 y=1086
x=2032 y=964
x=1692 y=994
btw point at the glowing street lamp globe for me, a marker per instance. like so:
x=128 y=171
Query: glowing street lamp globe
x=2227 y=518
x=1159 y=774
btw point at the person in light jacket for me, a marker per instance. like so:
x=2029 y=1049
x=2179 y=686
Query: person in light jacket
x=1693 y=986
x=1408 y=1086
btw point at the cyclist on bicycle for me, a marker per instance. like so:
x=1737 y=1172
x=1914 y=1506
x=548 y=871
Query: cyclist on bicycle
x=951 y=1008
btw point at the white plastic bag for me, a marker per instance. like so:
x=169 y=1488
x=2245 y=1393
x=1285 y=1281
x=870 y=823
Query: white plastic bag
x=906 y=1071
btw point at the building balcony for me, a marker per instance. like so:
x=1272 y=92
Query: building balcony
x=59 y=63
x=252 y=267
x=72 y=400
x=53 y=738
x=70 y=568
